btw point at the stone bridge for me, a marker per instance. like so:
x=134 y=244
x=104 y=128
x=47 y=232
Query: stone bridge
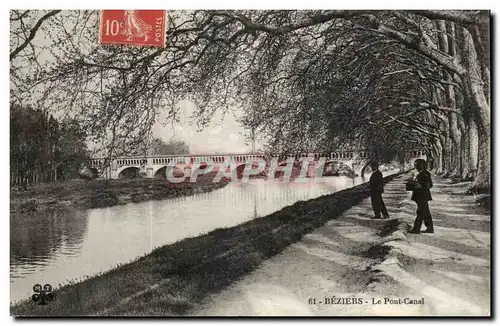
x=155 y=166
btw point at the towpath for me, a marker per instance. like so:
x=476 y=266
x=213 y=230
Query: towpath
x=356 y=266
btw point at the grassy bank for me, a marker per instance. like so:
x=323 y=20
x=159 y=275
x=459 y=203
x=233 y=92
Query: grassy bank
x=81 y=194
x=174 y=278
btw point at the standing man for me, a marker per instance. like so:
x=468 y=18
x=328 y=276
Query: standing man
x=421 y=195
x=376 y=190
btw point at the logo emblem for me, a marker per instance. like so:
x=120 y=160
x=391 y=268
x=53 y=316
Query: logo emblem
x=43 y=294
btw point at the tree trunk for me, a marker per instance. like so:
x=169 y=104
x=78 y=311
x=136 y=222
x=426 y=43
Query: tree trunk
x=447 y=44
x=464 y=159
x=438 y=157
x=481 y=112
x=455 y=136
x=471 y=153
x=474 y=89
x=445 y=152
x=483 y=176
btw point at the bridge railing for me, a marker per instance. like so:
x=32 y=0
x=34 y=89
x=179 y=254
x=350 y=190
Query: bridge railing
x=165 y=159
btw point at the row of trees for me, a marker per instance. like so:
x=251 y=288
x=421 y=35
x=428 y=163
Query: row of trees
x=42 y=148
x=173 y=147
x=157 y=146
x=387 y=80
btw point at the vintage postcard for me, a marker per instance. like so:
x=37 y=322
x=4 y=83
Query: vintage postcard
x=250 y=163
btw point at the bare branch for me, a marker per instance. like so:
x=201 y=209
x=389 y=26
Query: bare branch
x=32 y=33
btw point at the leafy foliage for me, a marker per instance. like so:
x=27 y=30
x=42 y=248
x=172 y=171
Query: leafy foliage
x=42 y=148
x=173 y=147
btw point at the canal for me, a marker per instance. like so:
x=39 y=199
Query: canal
x=62 y=247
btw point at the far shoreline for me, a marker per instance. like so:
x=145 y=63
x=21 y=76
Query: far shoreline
x=83 y=195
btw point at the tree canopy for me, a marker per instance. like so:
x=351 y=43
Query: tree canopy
x=173 y=147
x=387 y=80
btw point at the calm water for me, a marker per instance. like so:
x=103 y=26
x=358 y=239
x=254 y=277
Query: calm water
x=58 y=247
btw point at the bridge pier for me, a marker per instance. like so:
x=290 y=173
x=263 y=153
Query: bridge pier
x=114 y=174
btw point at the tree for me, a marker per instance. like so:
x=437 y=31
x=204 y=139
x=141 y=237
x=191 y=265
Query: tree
x=42 y=148
x=312 y=79
x=173 y=147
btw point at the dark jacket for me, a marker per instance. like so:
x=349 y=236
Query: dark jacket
x=425 y=182
x=376 y=182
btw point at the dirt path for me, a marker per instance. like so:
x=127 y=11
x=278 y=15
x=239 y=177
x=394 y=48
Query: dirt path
x=372 y=267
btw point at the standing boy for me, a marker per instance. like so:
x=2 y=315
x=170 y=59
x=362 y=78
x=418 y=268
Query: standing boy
x=376 y=190
x=421 y=195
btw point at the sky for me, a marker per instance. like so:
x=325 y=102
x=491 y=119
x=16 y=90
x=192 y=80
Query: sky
x=223 y=135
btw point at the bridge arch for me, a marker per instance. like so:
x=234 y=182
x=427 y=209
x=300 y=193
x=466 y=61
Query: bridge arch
x=160 y=172
x=362 y=173
x=129 y=172
x=240 y=167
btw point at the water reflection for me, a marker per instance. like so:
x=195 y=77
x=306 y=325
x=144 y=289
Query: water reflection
x=40 y=236
x=38 y=242
x=54 y=247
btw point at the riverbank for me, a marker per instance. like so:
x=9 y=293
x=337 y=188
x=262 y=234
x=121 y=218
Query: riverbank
x=81 y=194
x=174 y=278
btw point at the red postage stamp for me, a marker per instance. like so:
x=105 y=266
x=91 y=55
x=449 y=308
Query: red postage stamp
x=133 y=27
